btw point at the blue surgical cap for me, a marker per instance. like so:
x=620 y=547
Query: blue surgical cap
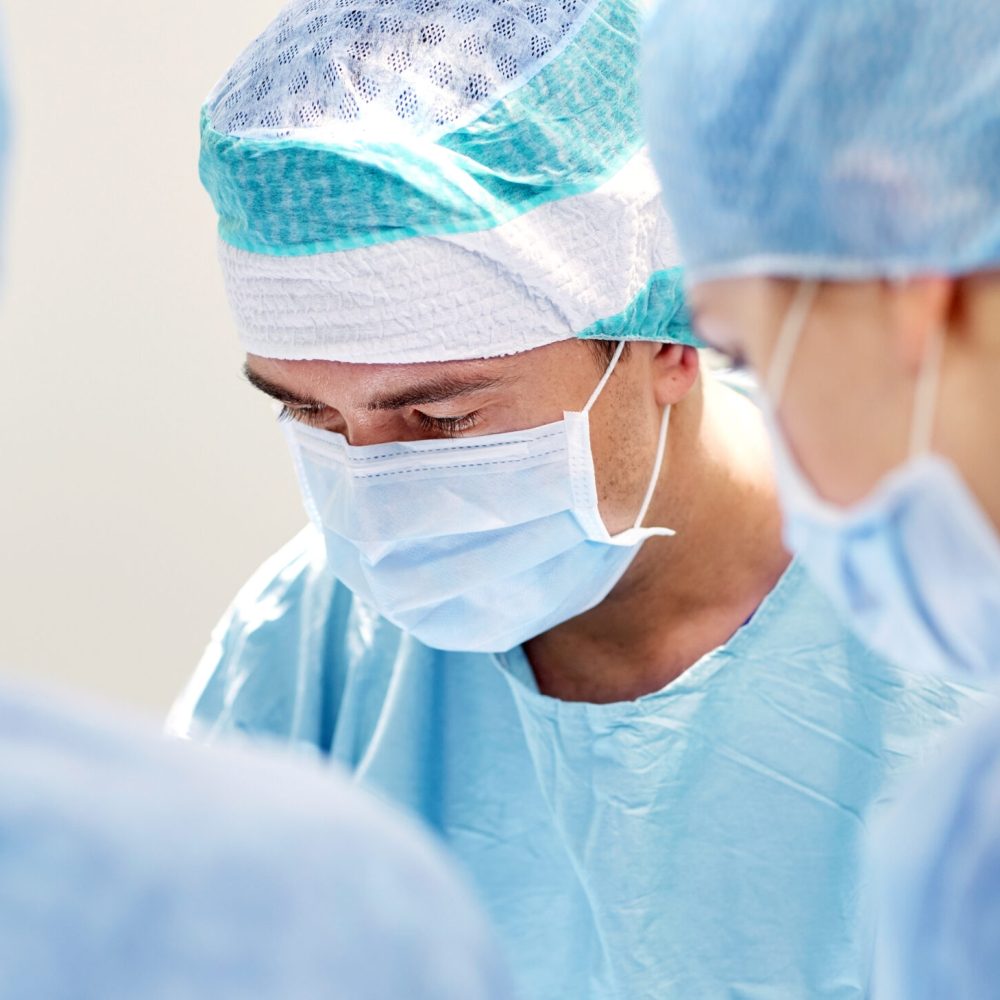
x=839 y=140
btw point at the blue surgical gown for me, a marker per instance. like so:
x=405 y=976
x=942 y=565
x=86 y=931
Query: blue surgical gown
x=937 y=858
x=137 y=868
x=702 y=842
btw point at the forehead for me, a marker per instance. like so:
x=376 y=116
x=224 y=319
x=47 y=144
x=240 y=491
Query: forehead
x=722 y=292
x=729 y=311
x=319 y=375
x=359 y=384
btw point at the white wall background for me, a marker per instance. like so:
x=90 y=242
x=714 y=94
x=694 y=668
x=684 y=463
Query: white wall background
x=140 y=479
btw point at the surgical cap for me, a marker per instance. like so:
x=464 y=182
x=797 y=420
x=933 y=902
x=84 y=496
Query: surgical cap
x=427 y=180
x=839 y=140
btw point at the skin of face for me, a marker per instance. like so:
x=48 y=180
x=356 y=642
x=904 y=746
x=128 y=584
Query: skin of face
x=847 y=407
x=683 y=595
x=381 y=403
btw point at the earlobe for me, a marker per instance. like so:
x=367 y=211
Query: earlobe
x=917 y=309
x=676 y=368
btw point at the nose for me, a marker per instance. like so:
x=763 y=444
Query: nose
x=365 y=428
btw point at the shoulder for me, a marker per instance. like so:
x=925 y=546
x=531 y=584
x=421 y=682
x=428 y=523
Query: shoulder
x=109 y=829
x=937 y=860
x=279 y=656
x=800 y=633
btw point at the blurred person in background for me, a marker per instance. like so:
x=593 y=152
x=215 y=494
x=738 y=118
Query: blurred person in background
x=832 y=172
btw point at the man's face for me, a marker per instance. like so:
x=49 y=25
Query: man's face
x=847 y=404
x=381 y=403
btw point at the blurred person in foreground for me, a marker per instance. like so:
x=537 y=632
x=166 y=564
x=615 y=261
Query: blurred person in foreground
x=134 y=867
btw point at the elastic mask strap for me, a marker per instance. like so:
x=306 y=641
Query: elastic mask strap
x=788 y=340
x=661 y=446
x=654 y=480
x=609 y=371
x=925 y=397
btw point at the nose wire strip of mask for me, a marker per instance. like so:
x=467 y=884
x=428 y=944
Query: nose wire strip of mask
x=925 y=396
x=788 y=339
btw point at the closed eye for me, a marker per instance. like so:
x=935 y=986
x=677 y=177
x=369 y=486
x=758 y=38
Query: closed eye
x=447 y=426
x=311 y=415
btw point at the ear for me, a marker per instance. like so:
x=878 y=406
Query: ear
x=917 y=309
x=675 y=371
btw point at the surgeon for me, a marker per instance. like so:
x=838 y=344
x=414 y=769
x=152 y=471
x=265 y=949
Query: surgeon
x=133 y=867
x=832 y=172
x=544 y=600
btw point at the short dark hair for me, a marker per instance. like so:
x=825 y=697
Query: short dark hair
x=604 y=350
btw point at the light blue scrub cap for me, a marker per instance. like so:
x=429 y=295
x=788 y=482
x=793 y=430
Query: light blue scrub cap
x=841 y=140
x=425 y=180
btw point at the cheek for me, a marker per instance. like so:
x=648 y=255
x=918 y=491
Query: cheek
x=735 y=317
x=623 y=442
x=847 y=425
x=754 y=334
x=363 y=428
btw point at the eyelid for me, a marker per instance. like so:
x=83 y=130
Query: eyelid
x=449 y=426
x=303 y=414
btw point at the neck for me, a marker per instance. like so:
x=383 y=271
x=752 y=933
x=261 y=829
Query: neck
x=967 y=410
x=682 y=596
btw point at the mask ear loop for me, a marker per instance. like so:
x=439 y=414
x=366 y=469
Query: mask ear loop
x=788 y=340
x=925 y=396
x=654 y=479
x=661 y=446
x=605 y=378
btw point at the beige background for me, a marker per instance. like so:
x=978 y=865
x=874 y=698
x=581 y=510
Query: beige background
x=141 y=479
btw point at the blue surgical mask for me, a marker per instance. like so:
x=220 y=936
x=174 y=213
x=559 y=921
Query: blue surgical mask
x=473 y=544
x=915 y=565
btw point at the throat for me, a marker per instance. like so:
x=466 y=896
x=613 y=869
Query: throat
x=683 y=597
x=594 y=659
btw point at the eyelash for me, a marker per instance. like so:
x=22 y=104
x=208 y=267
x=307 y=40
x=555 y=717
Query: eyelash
x=302 y=414
x=449 y=426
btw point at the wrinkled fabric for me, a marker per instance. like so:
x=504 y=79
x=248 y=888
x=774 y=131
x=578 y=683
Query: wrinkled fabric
x=834 y=140
x=395 y=118
x=431 y=180
x=135 y=867
x=703 y=841
x=938 y=858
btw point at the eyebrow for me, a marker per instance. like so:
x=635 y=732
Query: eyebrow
x=436 y=390
x=433 y=390
x=278 y=392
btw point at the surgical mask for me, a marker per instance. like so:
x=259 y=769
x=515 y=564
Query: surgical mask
x=473 y=544
x=915 y=565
